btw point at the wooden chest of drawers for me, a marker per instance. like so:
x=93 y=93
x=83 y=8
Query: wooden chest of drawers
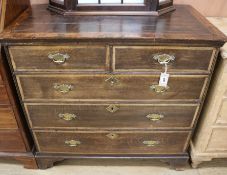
x=213 y=126
x=15 y=140
x=94 y=92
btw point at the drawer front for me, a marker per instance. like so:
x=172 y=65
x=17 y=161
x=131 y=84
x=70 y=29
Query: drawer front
x=49 y=58
x=218 y=140
x=3 y=96
x=112 y=143
x=222 y=117
x=142 y=58
x=110 y=116
x=7 y=119
x=11 y=141
x=122 y=87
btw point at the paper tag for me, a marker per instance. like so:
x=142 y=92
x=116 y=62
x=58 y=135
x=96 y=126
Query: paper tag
x=164 y=78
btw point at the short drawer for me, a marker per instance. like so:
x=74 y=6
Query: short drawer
x=141 y=58
x=111 y=116
x=41 y=58
x=11 y=140
x=4 y=99
x=113 y=143
x=7 y=118
x=104 y=87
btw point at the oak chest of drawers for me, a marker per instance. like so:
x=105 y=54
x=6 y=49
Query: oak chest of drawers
x=91 y=89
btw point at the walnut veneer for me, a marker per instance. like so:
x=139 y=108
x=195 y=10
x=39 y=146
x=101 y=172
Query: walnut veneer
x=88 y=84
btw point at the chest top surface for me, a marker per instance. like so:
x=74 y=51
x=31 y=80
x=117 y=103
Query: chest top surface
x=183 y=25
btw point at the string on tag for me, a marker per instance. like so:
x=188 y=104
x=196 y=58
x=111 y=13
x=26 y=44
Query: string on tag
x=166 y=68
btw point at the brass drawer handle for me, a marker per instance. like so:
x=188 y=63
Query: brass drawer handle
x=159 y=89
x=112 y=136
x=63 y=88
x=112 y=80
x=58 y=58
x=112 y=108
x=67 y=116
x=72 y=143
x=164 y=58
x=155 y=117
x=151 y=143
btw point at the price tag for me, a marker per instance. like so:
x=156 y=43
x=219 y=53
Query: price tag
x=164 y=78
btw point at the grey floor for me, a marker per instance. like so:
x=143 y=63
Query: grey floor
x=114 y=167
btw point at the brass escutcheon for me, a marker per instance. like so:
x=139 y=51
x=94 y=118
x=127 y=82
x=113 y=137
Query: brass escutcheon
x=159 y=89
x=155 y=117
x=72 y=143
x=112 y=136
x=63 y=88
x=67 y=116
x=112 y=80
x=151 y=143
x=112 y=108
x=58 y=58
x=164 y=58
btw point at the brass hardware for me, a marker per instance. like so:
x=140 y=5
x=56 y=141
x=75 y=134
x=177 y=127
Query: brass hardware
x=63 y=88
x=112 y=108
x=159 y=89
x=151 y=143
x=67 y=116
x=72 y=143
x=155 y=117
x=58 y=58
x=112 y=80
x=164 y=58
x=112 y=136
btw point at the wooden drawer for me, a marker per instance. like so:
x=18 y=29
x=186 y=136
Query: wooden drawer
x=126 y=87
x=222 y=117
x=113 y=143
x=11 y=140
x=40 y=58
x=218 y=140
x=7 y=118
x=110 y=116
x=138 y=58
x=4 y=99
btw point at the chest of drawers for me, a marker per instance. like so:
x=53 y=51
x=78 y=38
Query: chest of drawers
x=91 y=89
x=213 y=126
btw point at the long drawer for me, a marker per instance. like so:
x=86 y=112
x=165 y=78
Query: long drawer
x=11 y=140
x=148 y=58
x=38 y=58
x=112 y=143
x=4 y=99
x=103 y=87
x=121 y=116
x=7 y=119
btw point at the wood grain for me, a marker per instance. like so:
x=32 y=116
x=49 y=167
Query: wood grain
x=96 y=87
x=10 y=140
x=7 y=118
x=169 y=28
x=81 y=57
x=97 y=116
x=125 y=143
